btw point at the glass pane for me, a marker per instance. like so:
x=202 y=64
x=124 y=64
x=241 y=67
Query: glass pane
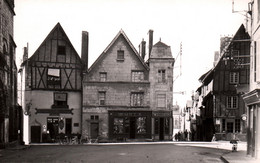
x=141 y=125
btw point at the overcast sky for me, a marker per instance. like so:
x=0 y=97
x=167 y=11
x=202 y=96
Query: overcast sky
x=198 y=24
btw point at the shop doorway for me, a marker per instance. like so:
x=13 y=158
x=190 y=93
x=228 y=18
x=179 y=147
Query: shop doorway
x=68 y=128
x=161 y=133
x=53 y=127
x=132 y=128
x=94 y=130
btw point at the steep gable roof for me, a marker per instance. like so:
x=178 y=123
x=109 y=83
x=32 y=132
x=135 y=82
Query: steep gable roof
x=236 y=37
x=121 y=32
x=60 y=29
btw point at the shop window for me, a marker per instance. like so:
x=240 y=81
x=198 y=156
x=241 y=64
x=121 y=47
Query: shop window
x=237 y=125
x=137 y=99
x=120 y=55
x=156 y=125
x=102 y=98
x=53 y=78
x=118 y=126
x=161 y=76
x=141 y=125
x=234 y=76
x=137 y=76
x=161 y=100
x=167 y=125
x=232 y=102
x=223 y=125
x=60 y=100
x=103 y=76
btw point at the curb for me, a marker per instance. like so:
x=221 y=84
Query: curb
x=223 y=159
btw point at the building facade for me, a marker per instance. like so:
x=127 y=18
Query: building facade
x=252 y=98
x=125 y=98
x=51 y=89
x=9 y=110
x=222 y=105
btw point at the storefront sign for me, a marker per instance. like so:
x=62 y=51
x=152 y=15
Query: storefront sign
x=161 y=114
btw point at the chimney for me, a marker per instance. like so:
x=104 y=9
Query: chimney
x=25 y=53
x=224 y=41
x=150 y=42
x=84 y=49
x=142 y=49
x=216 y=57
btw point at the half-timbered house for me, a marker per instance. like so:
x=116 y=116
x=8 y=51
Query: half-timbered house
x=51 y=84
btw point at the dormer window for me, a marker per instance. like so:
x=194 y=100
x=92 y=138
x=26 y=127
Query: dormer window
x=120 y=55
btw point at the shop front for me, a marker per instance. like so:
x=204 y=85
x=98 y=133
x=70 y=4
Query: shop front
x=125 y=125
x=162 y=125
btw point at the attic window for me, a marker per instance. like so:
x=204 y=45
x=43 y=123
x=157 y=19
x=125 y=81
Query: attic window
x=61 y=50
x=120 y=55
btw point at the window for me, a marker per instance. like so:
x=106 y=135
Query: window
x=255 y=44
x=94 y=117
x=161 y=100
x=237 y=125
x=120 y=55
x=234 y=76
x=61 y=50
x=223 y=125
x=102 y=98
x=141 y=125
x=118 y=126
x=103 y=76
x=167 y=126
x=60 y=100
x=232 y=102
x=161 y=76
x=53 y=78
x=137 y=99
x=137 y=76
x=156 y=125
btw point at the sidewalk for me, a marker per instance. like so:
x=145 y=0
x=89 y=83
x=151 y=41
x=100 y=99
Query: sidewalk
x=238 y=157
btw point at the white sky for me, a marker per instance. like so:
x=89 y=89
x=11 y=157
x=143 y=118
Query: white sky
x=198 y=24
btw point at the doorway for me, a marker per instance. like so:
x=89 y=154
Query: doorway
x=94 y=130
x=68 y=127
x=161 y=128
x=35 y=134
x=132 y=128
x=53 y=127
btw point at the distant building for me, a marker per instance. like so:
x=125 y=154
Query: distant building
x=222 y=89
x=10 y=112
x=51 y=89
x=125 y=98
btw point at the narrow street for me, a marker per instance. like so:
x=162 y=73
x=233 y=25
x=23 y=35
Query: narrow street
x=134 y=153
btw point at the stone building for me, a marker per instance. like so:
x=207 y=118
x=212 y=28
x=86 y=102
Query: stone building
x=125 y=97
x=51 y=89
x=9 y=110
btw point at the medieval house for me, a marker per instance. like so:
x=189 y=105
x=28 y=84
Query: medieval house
x=51 y=84
x=126 y=98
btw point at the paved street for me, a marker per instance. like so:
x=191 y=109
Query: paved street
x=113 y=153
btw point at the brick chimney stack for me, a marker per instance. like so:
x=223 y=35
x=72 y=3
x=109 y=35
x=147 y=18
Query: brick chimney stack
x=84 y=49
x=142 y=49
x=25 y=53
x=150 y=42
